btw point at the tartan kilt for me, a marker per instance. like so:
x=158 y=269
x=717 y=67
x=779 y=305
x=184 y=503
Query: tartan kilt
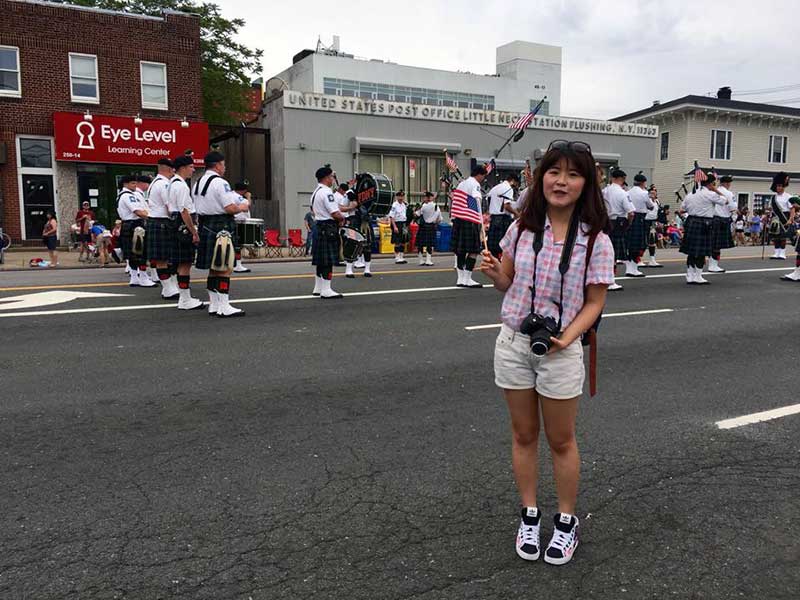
x=618 y=227
x=787 y=232
x=466 y=237
x=636 y=236
x=498 y=225
x=208 y=227
x=126 y=242
x=426 y=236
x=159 y=239
x=697 y=236
x=652 y=233
x=325 y=249
x=721 y=237
x=401 y=236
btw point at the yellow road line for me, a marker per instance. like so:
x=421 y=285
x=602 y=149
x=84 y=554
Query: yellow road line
x=69 y=286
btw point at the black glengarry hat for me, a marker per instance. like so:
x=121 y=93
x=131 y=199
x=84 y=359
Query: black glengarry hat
x=781 y=178
x=323 y=172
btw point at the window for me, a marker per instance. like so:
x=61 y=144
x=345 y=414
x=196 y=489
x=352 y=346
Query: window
x=777 y=148
x=154 y=85
x=35 y=153
x=762 y=201
x=721 y=144
x=83 y=78
x=743 y=201
x=9 y=72
x=414 y=95
x=665 y=145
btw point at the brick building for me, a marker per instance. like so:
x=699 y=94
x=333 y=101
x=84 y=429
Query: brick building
x=86 y=96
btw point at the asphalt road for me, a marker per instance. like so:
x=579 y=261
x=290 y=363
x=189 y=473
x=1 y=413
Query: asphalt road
x=358 y=448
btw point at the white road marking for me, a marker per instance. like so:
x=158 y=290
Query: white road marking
x=633 y=313
x=100 y=309
x=49 y=298
x=731 y=272
x=758 y=417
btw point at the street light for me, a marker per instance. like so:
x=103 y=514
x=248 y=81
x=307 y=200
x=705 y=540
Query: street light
x=87 y=116
x=137 y=120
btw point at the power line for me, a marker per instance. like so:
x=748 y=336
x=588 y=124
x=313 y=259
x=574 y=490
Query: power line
x=773 y=90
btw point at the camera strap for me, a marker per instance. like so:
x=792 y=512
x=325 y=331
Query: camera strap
x=563 y=265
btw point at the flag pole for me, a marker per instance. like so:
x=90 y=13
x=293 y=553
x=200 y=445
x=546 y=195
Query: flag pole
x=520 y=132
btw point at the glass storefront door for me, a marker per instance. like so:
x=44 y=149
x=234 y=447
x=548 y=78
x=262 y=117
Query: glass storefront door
x=99 y=185
x=37 y=199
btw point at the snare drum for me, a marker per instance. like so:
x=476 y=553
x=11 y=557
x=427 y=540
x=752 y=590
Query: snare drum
x=250 y=232
x=374 y=192
x=352 y=243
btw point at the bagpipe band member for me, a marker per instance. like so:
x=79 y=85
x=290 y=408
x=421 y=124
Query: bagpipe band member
x=243 y=190
x=133 y=212
x=185 y=236
x=697 y=229
x=501 y=211
x=466 y=235
x=160 y=233
x=358 y=219
x=325 y=250
x=216 y=204
x=636 y=235
x=143 y=183
x=794 y=201
x=721 y=235
x=781 y=227
x=398 y=215
x=651 y=226
x=620 y=214
x=345 y=200
x=553 y=294
x=429 y=217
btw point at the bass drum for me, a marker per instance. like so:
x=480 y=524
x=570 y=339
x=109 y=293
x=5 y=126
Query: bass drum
x=374 y=192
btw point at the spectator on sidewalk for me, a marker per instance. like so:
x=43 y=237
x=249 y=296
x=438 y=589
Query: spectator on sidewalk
x=755 y=228
x=311 y=226
x=50 y=237
x=101 y=237
x=83 y=220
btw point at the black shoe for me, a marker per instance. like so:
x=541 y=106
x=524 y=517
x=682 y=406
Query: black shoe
x=350 y=276
x=173 y=297
x=367 y=274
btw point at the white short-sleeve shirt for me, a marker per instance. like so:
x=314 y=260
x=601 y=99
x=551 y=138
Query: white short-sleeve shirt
x=127 y=203
x=398 y=211
x=218 y=196
x=179 y=196
x=323 y=203
x=157 y=200
x=499 y=195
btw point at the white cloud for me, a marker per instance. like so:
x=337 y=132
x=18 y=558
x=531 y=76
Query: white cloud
x=618 y=56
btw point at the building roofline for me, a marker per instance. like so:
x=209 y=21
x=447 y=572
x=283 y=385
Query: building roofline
x=102 y=11
x=709 y=102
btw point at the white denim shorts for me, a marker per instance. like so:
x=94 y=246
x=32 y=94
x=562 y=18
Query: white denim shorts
x=559 y=376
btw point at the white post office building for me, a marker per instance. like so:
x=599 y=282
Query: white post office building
x=748 y=140
x=371 y=116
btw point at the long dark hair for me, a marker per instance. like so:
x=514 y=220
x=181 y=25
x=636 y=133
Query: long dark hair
x=590 y=206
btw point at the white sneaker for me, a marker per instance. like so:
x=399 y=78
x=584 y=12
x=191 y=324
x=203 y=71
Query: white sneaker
x=776 y=255
x=213 y=302
x=614 y=287
x=317 y=285
x=225 y=309
x=713 y=266
x=421 y=259
x=793 y=276
x=690 y=276
x=169 y=288
x=186 y=301
x=399 y=260
x=367 y=271
x=428 y=261
x=360 y=263
x=652 y=263
x=469 y=282
x=328 y=293
x=783 y=253
x=461 y=274
x=565 y=540
x=631 y=270
x=144 y=280
x=698 y=276
x=134 y=281
x=348 y=272
x=240 y=268
x=127 y=267
x=528 y=534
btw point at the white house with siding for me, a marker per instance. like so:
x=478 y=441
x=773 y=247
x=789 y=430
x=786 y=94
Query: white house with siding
x=750 y=141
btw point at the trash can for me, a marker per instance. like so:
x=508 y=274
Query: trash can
x=443 y=237
x=386 y=246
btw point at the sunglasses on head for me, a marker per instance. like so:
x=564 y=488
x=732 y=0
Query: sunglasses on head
x=567 y=145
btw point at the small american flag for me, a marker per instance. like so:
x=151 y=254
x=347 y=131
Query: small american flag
x=451 y=164
x=489 y=166
x=465 y=207
x=523 y=122
x=699 y=174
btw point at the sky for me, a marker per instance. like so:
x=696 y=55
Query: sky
x=618 y=56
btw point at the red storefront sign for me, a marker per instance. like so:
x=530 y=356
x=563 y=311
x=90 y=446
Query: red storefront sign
x=107 y=139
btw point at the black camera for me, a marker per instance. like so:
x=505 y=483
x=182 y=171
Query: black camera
x=539 y=329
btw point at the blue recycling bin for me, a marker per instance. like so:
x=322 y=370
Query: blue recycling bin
x=443 y=235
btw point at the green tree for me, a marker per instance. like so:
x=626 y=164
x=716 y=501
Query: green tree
x=227 y=65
